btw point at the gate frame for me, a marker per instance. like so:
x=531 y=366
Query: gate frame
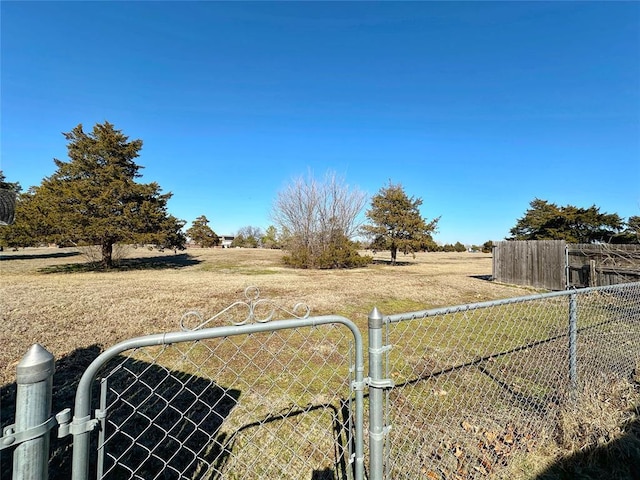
x=83 y=424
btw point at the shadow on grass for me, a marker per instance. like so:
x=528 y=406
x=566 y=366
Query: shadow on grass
x=167 y=262
x=160 y=423
x=342 y=469
x=68 y=371
x=379 y=261
x=39 y=256
x=487 y=278
x=618 y=460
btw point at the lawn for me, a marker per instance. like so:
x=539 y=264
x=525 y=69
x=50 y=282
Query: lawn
x=50 y=297
x=281 y=395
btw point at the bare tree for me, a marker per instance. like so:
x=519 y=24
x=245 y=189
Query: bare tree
x=318 y=215
x=248 y=237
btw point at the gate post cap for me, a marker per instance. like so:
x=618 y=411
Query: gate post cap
x=375 y=318
x=36 y=365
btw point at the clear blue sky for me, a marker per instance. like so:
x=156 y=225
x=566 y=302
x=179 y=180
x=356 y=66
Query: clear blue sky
x=475 y=107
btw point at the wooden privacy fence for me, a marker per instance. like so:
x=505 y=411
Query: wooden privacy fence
x=537 y=263
x=590 y=265
x=556 y=265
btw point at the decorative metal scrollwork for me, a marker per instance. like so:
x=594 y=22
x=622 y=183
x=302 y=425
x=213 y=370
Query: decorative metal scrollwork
x=241 y=312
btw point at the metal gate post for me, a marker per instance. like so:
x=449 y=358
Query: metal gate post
x=34 y=378
x=376 y=395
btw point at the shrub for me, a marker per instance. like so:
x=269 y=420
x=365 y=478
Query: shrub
x=339 y=252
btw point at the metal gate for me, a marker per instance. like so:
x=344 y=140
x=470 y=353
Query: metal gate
x=258 y=399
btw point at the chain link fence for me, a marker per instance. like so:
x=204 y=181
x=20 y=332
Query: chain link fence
x=456 y=393
x=477 y=386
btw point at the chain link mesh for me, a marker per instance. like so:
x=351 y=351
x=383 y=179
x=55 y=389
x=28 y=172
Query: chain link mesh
x=262 y=405
x=476 y=387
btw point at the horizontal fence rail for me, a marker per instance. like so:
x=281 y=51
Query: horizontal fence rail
x=590 y=265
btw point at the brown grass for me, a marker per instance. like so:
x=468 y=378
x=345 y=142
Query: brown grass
x=53 y=297
x=50 y=297
x=597 y=436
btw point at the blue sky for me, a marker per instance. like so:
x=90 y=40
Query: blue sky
x=477 y=108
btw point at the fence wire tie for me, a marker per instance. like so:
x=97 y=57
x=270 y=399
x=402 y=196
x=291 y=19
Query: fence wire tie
x=357 y=386
x=384 y=383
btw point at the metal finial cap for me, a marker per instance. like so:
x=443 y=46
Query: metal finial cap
x=375 y=318
x=36 y=365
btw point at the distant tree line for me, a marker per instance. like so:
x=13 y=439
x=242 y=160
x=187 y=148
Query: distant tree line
x=94 y=199
x=246 y=237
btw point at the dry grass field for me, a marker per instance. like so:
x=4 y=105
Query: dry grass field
x=50 y=297
x=53 y=297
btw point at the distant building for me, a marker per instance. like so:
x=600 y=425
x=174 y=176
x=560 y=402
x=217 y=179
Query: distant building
x=226 y=240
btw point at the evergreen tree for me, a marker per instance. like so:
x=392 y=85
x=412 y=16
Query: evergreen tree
x=396 y=223
x=26 y=229
x=631 y=232
x=11 y=186
x=93 y=198
x=548 y=221
x=633 y=228
x=202 y=234
x=459 y=247
x=270 y=238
